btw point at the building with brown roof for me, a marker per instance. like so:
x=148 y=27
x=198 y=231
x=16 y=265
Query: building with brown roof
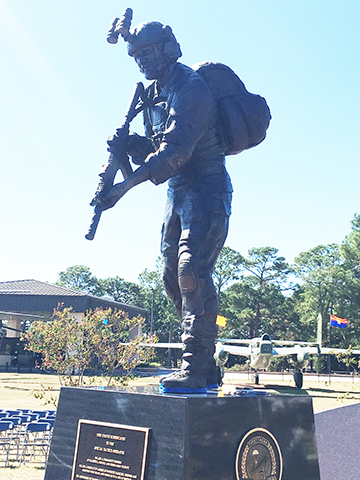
x=23 y=301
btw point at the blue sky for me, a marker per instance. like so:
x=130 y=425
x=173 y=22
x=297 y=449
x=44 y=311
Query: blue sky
x=64 y=90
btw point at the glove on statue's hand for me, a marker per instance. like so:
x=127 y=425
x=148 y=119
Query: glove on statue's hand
x=136 y=146
x=114 y=195
x=139 y=148
x=119 y=189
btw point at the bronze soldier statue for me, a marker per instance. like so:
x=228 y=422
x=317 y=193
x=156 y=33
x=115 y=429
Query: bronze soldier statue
x=182 y=145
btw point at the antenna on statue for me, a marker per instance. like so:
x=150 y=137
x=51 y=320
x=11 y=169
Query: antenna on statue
x=120 y=26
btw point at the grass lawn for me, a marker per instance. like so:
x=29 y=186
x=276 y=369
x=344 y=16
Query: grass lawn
x=16 y=388
x=22 y=473
x=15 y=392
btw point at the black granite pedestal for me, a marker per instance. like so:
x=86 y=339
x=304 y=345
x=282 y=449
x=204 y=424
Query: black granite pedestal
x=194 y=437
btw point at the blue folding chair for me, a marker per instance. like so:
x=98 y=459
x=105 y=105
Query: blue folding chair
x=36 y=444
x=20 y=423
x=12 y=412
x=20 y=420
x=8 y=441
x=41 y=413
x=51 y=421
x=33 y=416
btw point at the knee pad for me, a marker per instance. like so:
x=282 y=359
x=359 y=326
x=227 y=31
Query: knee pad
x=186 y=276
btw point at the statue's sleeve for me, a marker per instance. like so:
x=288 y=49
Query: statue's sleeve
x=190 y=112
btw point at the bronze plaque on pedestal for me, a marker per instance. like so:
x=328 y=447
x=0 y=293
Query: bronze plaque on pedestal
x=109 y=451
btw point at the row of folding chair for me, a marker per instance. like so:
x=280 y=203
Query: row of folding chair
x=25 y=436
x=20 y=411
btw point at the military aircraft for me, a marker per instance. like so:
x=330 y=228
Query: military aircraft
x=261 y=350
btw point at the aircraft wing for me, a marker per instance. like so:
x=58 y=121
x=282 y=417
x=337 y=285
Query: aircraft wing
x=292 y=342
x=236 y=349
x=238 y=341
x=248 y=341
x=295 y=350
x=334 y=351
x=162 y=345
x=310 y=349
x=233 y=349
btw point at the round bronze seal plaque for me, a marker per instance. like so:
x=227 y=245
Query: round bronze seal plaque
x=259 y=457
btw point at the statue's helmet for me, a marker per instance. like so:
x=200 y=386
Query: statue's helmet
x=154 y=33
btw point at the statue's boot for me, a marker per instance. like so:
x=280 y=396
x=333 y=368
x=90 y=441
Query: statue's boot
x=199 y=332
x=184 y=381
x=192 y=377
x=213 y=376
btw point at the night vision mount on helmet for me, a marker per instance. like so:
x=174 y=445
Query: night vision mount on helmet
x=144 y=35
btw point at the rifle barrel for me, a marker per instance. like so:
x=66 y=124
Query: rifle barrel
x=94 y=223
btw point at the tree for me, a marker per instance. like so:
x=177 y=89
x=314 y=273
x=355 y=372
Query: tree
x=238 y=306
x=78 y=277
x=256 y=303
x=227 y=269
x=165 y=320
x=69 y=344
x=264 y=264
x=243 y=303
x=350 y=250
x=122 y=291
x=109 y=338
x=268 y=274
x=324 y=284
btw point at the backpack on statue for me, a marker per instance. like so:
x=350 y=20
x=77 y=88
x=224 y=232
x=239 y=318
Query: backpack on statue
x=243 y=116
